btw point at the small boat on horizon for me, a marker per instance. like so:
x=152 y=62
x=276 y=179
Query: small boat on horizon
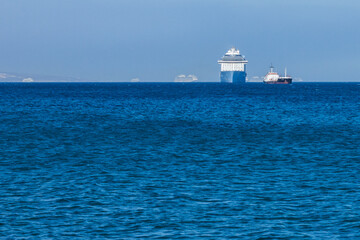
x=274 y=78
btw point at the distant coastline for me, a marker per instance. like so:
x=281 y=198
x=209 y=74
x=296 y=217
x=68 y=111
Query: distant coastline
x=24 y=77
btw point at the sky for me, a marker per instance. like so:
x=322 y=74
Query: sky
x=156 y=40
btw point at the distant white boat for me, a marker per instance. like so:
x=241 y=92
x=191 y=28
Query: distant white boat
x=28 y=80
x=184 y=78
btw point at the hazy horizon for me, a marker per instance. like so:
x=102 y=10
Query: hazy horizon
x=157 y=40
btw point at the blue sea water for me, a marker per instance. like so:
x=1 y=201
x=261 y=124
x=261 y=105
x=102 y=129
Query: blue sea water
x=179 y=161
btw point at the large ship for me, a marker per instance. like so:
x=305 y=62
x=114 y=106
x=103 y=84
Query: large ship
x=274 y=78
x=233 y=67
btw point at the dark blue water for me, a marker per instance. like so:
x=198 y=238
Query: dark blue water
x=169 y=161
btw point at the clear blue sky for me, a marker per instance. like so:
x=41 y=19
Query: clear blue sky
x=155 y=40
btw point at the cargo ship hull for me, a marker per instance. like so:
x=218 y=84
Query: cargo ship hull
x=280 y=81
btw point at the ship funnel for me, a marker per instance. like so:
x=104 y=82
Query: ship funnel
x=271 y=68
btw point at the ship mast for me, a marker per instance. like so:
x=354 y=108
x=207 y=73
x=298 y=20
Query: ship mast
x=285 y=72
x=271 y=68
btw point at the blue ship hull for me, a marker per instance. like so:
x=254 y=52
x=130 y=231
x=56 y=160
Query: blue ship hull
x=233 y=77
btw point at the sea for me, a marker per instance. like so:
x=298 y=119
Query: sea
x=179 y=161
